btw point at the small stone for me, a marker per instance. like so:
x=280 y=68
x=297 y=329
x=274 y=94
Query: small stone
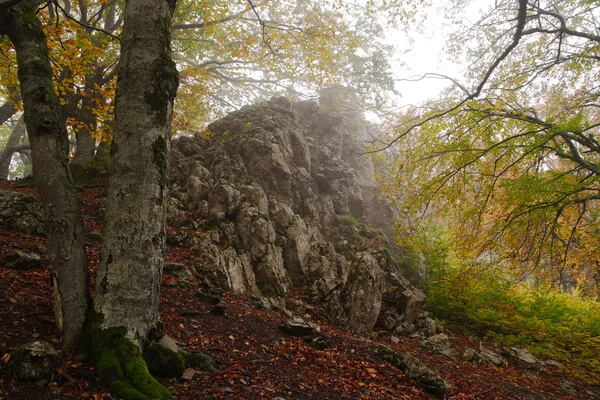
x=551 y=363
x=299 y=327
x=491 y=357
x=188 y=374
x=317 y=341
x=34 y=362
x=394 y=339
x=440 y=344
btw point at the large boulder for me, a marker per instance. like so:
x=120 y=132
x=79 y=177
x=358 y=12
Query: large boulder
x=355 y=304
x=405 y=299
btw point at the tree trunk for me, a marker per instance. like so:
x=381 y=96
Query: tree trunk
x=133 y=240
x=11 y=147
x=7 y=110
x=49 y=145
x=86 y=143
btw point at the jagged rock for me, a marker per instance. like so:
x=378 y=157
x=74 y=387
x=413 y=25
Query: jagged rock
x=21 y=260
x=21 y=212
x=355 y=305
x=406 y=299
x=428 y=326
x=415 y=369
x=491 y=357
x=551 y=363
x=299 y=327
x=265 y=195
x=270 y=303
x=440 y=344
x=177 y=238
x=521 y=355
x=471 y=355
x=34 y=362
x=296 y=305
x=221 y=264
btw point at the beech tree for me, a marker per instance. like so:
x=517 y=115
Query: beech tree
x=49 y=146
x=125 y=319
x=510 y=156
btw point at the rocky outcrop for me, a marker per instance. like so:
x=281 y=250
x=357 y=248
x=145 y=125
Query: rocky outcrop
x=274 y=196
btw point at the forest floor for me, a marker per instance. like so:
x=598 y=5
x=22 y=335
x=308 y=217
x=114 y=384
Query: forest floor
x=255 y=359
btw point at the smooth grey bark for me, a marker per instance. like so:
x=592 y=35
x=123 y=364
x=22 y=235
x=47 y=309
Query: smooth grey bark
x=49 y=146
x=12 y=146
x=86 y=143
x=133 y=239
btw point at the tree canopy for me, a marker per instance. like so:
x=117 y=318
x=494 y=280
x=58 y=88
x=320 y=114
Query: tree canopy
x=509 y=157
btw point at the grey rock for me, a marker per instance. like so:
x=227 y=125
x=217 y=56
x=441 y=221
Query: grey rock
x=471 y=355
x=296 y=305
x=34 y=362
x=263 y=198
x=551 y=363
x=299 y=327
x=406 y=299
x=270 y=303
x=21 y=212
x=415 y=369
x=522 y=355
x=428 y=326
x=440 y=344
x=355 y=305
x=491 y=357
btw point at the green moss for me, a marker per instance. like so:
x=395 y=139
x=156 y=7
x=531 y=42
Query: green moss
x=164 y=362
x=200 y=360
x=121 y=366
x=164 y=88
x=159 y=157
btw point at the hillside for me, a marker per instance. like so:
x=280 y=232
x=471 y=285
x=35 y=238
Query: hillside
x=272 y=217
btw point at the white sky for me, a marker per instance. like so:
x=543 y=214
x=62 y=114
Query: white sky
x=426 y=52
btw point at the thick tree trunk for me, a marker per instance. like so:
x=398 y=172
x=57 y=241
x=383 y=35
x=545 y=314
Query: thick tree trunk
x=11 y=147
x=133 y=239
x=49 y=145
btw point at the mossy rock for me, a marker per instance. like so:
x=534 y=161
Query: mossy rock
x=200 y=360
x=120 y=365
x=164 y=362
